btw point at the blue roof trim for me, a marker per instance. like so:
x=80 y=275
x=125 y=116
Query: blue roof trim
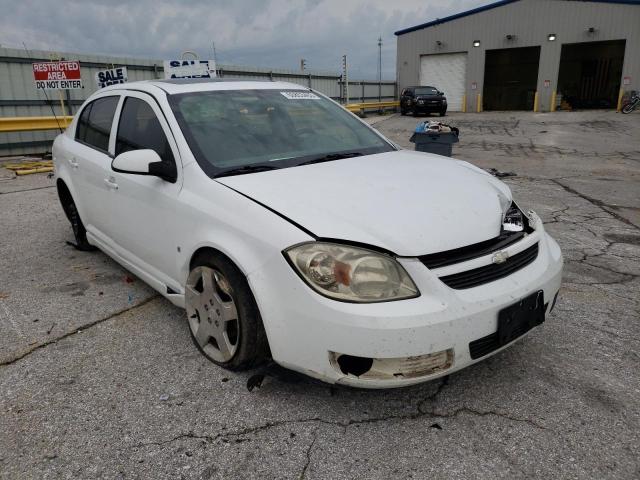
x=456 y=16
x=489 y=7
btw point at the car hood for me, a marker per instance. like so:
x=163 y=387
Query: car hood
x=409 y=203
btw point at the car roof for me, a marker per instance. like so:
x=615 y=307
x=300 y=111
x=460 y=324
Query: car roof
x=187 y=85
x=422 y=86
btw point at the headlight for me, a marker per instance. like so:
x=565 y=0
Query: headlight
x=513 y=220
x=351 y=274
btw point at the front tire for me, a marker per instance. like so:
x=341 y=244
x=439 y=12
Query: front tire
x=443 y=113
x=223 y=316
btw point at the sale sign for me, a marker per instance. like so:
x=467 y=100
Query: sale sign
x=189 y=69
x=57 y=75
x=112 y=76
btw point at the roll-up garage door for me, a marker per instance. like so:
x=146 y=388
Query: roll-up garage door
x=447 y=72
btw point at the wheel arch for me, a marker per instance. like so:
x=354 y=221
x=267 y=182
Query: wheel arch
x=207 y=250
x=241 y=259
x=67 y=194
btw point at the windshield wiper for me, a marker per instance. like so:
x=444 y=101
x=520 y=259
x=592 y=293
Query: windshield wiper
x=332 y=156
x=245 y=169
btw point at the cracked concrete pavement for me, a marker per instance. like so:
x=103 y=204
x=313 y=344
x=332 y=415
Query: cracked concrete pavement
x=99 y=378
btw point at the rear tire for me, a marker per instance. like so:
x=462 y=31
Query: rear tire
x=222 y=314
x=71 y=211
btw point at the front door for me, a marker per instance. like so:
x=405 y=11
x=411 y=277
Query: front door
x=143 y=204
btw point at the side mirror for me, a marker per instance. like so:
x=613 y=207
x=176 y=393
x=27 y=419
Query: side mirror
x=144 y=162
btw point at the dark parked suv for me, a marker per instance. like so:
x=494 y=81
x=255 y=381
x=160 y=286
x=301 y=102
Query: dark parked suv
x=423 y=100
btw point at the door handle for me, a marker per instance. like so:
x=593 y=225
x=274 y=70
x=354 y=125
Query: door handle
x=111 y=183
x=73 y=162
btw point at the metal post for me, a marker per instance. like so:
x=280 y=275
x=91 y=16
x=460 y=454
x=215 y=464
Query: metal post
x=362 y=96
x=619 y=105
x=69 y=102
x=345 y=76
x=379 y=69
x=64 y=113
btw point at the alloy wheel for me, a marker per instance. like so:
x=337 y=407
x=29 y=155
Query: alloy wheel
x=212 y=313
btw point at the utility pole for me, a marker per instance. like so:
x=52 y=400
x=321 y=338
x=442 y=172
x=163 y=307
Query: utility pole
x=345 y=79
x=379 y=69
x=215 y=56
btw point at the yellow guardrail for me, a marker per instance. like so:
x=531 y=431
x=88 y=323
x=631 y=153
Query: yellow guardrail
x=359 y=107
x=29 y=124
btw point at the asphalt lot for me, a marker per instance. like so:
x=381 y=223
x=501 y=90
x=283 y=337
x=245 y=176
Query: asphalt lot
x=99 y=378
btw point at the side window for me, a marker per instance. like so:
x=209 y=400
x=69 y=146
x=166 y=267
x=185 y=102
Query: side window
x=139 y=128
x=83 y=123
x=94 y=124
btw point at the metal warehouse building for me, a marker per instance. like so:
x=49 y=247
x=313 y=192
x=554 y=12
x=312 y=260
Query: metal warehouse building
x=527 y=55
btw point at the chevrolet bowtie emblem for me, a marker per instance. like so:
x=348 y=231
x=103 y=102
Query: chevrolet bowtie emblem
x=500 y=257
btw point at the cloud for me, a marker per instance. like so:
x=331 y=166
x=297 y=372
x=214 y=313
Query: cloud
x=267 y=33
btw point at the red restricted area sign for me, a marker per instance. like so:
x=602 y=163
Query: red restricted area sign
x=57 y=75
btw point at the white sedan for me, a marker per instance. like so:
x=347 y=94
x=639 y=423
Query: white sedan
x=289 y=229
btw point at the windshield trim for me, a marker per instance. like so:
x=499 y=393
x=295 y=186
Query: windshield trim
x=301 y=161
x=212 y=171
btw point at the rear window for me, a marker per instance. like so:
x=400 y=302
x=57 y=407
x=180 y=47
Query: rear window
x=94 y=124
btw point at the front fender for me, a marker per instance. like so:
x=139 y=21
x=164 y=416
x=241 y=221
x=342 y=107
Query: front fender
x=212 y=215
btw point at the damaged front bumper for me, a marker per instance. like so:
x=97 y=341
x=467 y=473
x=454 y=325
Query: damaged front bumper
x=397 y=343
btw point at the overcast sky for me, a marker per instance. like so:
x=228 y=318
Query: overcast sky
x=268 y=33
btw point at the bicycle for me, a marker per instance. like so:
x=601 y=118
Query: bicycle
x=631 y=104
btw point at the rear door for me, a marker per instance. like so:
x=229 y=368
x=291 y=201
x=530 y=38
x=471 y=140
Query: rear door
x=143 y=205
x=91 y=159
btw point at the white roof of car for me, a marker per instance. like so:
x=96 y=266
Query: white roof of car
x=173 y=86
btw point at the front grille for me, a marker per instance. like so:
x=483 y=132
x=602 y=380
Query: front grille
x=489 y=273
x=462 y=254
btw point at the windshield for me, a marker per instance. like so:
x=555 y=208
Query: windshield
x=426 y=91
x=229 y=130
